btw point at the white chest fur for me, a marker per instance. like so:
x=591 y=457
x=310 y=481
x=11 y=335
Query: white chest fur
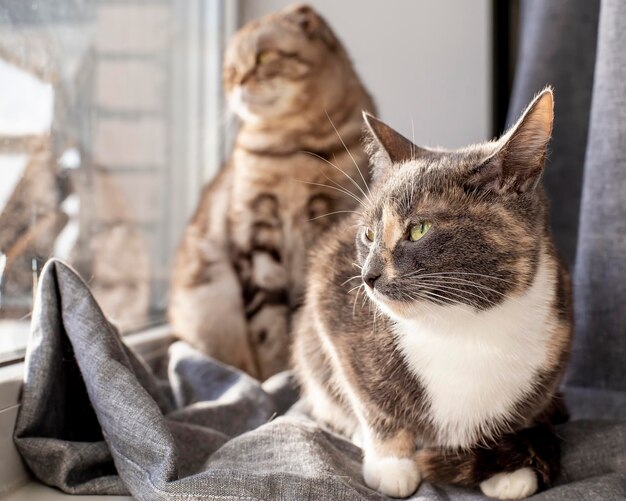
x=475 y=366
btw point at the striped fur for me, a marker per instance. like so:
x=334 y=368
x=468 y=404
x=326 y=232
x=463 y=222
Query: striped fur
x=239 y=271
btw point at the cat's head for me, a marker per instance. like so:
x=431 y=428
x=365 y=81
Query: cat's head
x=460 y=227
x=280 y=64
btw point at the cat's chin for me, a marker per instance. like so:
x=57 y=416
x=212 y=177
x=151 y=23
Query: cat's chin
x=394 y=309
x=246 y=113
x=255 y=109
x=248 y=108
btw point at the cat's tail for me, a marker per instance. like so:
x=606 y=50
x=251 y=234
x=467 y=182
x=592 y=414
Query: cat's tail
x=442 y=466
x=537 y=448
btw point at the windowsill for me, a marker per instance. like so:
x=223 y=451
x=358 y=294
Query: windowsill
x=151 y=344
x=13 y=339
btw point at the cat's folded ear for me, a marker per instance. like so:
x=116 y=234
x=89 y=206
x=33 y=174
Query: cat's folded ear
x=312 y=24
x=386 y=146
x=520 y=153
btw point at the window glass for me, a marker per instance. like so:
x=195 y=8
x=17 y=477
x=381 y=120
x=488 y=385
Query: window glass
x=105 y=110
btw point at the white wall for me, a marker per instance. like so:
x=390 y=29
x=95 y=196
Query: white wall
x=425 y=60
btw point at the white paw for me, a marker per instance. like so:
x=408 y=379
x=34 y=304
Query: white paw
x=515 y=485
x=393 y=476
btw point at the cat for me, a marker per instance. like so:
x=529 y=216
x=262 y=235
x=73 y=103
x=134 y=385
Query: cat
x=239 y=272
x=450 y=372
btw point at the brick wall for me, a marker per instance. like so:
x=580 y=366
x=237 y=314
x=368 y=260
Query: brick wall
x=130 y=156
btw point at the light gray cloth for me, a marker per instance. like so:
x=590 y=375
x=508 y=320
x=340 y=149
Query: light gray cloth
x=95 y=420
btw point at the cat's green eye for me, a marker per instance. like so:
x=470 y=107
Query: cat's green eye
x=267 y=56
x=418 y=231
x=369 y=234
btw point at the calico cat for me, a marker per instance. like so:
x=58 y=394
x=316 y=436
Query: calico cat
x=239 y=272
x=447 y=368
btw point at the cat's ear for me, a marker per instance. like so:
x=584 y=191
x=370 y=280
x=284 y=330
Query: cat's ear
x=520 y=153
x=312 y=24
x=387 y=146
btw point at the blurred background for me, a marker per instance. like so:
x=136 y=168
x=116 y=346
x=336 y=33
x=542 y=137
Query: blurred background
x=112 y=118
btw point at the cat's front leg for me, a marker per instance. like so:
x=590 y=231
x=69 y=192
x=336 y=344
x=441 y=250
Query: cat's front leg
x=389 y=464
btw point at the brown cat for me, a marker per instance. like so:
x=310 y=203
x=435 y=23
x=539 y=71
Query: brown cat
x=450 y=371
x=239 y=272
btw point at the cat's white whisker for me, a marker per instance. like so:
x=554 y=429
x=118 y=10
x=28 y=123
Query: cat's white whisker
x=493 y=277
x=412 y=138
x=460 y=281
x=480 y=292
x=351 y=278
x=456 y=281
x=413 y=297
x=459 y=293
x=342 y=171
x=376 y=313
x=426 y=298
x=449 y=277
x=443 y=299
x=343 y=187
x=365 y=298
x=349 y=152
x=335 y=212
x=412 y=273
x=337 y=189
x=359 y=289
x=453 y=281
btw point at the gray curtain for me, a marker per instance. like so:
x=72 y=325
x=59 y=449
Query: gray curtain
x=558 y=47
x=600 y=275
x=579 y=46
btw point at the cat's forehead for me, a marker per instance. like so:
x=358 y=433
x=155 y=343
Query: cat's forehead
x=268 y=33
x=433 y=179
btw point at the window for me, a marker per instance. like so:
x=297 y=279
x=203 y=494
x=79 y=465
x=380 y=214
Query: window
x=110 y=122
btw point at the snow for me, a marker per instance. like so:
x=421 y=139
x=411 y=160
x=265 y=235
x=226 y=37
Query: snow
x=26 y=103
x=11 y=170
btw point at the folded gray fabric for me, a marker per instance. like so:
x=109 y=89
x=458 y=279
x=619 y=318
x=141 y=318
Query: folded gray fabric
x=95 y=420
